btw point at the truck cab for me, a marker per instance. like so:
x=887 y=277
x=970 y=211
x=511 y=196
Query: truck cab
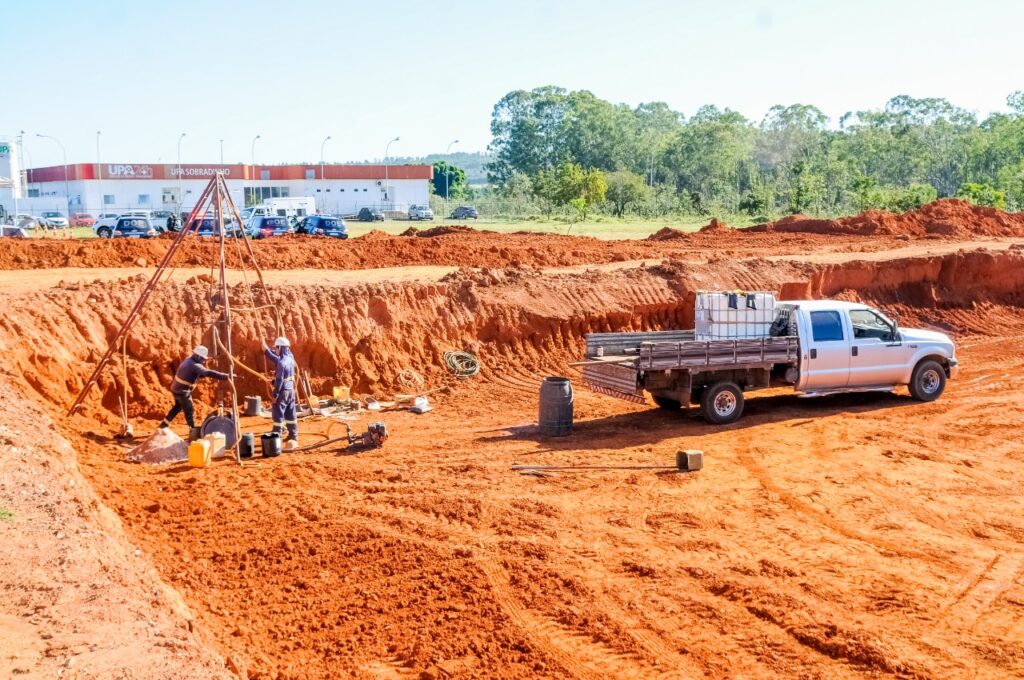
x=848 y=346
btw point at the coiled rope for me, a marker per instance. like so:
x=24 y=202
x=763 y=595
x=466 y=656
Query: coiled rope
x=461 y=364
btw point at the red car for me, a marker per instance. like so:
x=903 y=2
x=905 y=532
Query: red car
x=82 y=220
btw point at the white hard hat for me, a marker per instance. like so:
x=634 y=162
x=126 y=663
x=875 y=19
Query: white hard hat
x=282 y=342
x=201 y=351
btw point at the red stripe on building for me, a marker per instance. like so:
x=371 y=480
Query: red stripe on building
x=167 y=171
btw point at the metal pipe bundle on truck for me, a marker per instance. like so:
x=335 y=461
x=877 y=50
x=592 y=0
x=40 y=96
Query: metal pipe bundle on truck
x=817 y=347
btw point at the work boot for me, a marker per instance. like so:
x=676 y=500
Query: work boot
x=291 y=445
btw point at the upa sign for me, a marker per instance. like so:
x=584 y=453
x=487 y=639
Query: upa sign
x=203 y=171
x=130 y=171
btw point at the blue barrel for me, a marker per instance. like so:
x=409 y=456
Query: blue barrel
x=555 y=413
x=270 y=444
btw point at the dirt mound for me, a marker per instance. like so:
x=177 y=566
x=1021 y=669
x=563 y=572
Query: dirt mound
x=441 y=230
x=667 y=234
x=947 y=217
x=162 y=447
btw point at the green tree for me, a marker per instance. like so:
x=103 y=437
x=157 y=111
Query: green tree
x=569 y=184
x=449 y=180
x=625 y=189
x=982 y=194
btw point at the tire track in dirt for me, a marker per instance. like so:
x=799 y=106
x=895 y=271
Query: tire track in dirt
x=975 y=601
x=559 y=641
x=822 y=518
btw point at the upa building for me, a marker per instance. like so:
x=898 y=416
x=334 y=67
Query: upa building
x=112 y=187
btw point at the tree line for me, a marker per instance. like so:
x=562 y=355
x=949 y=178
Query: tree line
x=570 y=151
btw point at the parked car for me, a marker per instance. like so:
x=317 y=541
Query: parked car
x=133 y=227
x=159 y=219
x=207 y=226
x=322 y=225
x=104 y=227
x=420 y=212
x=264 y=227
x=370 y=215
x=465 y=212
x=82 y=219
x=55 y=219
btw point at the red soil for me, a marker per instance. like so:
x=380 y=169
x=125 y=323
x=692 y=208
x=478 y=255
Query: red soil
x=841 y=537
x=464 y=246
x=944 y=218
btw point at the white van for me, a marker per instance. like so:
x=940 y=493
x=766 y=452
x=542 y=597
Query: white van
x=292 y=207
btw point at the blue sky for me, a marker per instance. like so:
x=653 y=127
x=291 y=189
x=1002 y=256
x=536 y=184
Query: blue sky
x=430 y=72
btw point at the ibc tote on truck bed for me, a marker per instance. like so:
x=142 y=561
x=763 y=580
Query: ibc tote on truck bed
x=817 y=347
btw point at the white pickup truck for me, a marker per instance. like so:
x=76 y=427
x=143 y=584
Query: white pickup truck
x=818 y=347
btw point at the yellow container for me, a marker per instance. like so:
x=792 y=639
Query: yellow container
x=218 y=442
x=341 y=393
x=199 y=453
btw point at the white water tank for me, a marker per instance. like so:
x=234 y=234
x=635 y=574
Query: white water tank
x=730 y=315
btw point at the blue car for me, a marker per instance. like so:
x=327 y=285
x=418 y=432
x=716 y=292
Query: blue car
x=322 y=225
x=133 y=227
x=207 y=226
x=264 y=227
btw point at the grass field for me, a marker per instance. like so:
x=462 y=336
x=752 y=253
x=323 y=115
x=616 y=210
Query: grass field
x=598 y=227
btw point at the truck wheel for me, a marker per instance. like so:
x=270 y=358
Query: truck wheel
x=104 y=232
x=666 y=403
x=928 y=381
x=722 y=403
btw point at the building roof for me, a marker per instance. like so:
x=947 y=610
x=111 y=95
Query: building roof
x=91 y=171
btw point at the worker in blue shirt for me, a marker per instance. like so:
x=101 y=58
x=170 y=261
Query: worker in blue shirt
x=283 y=412
x=185 y=378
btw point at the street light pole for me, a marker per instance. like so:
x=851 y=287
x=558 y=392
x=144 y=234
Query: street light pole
x=447 y=171
x=252 y=167
x=67 y=192
x=221 y=151
x=99 y=176
x=181 y=196
x=387 y=189
x=323 y=186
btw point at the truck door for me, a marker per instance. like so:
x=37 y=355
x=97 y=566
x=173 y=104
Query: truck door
x=826 y=354
x=877 y=357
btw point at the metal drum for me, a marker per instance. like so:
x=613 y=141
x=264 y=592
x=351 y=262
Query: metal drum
x=223 y=424
x=555 y=412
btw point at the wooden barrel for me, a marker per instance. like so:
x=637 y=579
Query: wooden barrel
x=555 y=412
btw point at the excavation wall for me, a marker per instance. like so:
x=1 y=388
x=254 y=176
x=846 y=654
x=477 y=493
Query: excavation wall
x=365 y=335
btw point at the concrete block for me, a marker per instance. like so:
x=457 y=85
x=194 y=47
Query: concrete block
x=689 y=460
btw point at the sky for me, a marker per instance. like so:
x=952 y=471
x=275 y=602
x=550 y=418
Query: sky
x=363 y=73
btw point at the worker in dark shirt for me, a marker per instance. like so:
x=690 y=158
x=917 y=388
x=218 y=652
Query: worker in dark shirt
x=189 y=372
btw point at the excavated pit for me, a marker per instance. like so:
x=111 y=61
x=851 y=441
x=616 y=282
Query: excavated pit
x=831 y=538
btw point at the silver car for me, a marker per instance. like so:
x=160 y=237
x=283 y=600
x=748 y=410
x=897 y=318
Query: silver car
x=420 y=212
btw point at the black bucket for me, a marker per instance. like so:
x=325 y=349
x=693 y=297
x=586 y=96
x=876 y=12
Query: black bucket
x=195 y=433
x=247 y=445
x=253 y=406
x=270 y=444
x=555 y=413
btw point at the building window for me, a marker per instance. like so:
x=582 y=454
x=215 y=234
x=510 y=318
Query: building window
x=364 y=190
x=108 y=199
x=264 y=175
x=33 y=193
x=318 y=191
x=143 y=199
x=341 y=190
x=310 y=174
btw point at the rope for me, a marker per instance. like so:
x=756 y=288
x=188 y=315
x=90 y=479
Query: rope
x=461 y=364
x=410 y=380
x=236 y=362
